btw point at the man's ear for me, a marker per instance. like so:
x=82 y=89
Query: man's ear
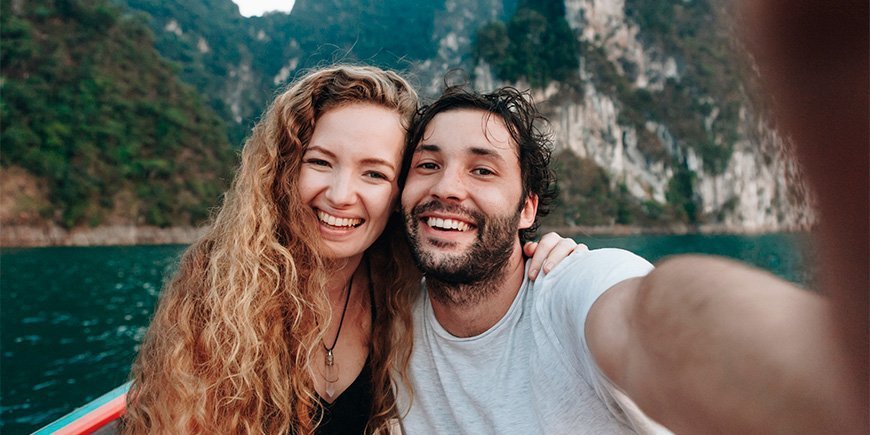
x=529 y=211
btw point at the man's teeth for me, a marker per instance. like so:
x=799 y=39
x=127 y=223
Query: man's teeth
x=337 y=221
x=447 y=224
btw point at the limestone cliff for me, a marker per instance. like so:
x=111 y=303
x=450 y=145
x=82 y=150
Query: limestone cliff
x=756 y=186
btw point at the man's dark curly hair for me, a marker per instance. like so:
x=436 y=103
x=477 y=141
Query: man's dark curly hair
x=522 y=119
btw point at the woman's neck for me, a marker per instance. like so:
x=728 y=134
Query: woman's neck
x=343 y=269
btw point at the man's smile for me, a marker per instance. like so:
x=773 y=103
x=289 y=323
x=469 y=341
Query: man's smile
x=447 y=224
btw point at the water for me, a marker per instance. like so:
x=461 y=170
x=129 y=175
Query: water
x=786 y=255
x=72 y=317
x=71 y=320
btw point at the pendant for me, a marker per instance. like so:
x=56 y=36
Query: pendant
x=330 y=370
x=329 y=374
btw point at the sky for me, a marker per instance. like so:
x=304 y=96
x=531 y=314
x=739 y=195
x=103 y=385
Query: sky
x=250 y=8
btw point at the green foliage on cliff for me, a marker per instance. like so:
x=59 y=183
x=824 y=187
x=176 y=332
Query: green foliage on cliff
x=91 y=108
x=238 y=63
x=699 y=107
x=207 y=42
x=709 y=89
x=387 y=33
x=589 y=196
x=680 y=195
x=536 y=44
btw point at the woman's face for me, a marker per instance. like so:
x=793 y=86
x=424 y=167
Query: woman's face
x=350 y=175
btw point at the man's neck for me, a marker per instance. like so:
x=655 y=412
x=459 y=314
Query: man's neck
x=473 y=317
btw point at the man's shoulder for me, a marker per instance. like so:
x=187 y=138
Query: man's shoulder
x=587 y=274
x=601 y=261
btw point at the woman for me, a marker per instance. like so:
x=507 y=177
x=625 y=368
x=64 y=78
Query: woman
x=292 y=310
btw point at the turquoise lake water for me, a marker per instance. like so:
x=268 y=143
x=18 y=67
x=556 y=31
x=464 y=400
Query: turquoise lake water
x=72 y=317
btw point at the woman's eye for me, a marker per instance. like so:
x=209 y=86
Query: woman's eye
x=317 y=162
x=428 y=165
x=482 y=171
x=376 y=175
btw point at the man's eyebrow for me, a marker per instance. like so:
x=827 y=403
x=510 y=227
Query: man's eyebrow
x=485 y=152
x=478 y=151
x=427 y=147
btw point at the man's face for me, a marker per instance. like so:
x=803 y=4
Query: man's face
x=462 y=201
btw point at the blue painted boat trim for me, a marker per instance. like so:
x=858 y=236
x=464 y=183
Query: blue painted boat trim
x=84 y=410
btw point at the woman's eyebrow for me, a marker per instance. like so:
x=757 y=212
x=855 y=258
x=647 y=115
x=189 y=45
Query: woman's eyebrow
x=321 y=150
x=378 y=161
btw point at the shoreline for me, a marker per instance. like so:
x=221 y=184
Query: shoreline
x=680 y=229
x=24 y=236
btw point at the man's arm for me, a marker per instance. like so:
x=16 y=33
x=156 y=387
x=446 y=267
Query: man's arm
x=704 y=344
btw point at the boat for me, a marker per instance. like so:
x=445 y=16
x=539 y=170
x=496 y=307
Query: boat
x=99 y=416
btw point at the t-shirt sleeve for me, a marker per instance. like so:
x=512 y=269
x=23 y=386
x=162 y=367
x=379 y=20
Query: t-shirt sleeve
x=568 y=292
x=566 y=296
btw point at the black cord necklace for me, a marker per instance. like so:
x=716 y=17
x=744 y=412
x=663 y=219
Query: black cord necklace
x=330 y=372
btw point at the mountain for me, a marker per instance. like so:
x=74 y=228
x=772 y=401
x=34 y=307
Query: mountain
x=651 y=110
x=96 y=127
x=650 y=100
x=657 y=120
x=238 y=63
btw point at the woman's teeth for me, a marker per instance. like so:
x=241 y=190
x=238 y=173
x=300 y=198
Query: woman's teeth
x=337 y=221
x=447 y=224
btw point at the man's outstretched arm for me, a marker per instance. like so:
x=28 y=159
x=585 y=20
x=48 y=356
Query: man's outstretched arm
x=704 y=344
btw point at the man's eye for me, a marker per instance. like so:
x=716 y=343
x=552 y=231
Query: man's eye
x=428 y=165
x=482 y=171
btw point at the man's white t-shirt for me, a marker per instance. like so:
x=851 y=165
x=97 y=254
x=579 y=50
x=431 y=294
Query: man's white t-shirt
x=530 y=373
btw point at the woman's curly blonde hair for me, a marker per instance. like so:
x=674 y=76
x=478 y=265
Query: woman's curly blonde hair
x=231 y=345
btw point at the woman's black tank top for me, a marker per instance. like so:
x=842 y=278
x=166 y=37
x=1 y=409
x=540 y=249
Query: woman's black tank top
x=350 y=411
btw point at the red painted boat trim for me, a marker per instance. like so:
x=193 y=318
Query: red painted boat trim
x=91 y=417
x=97 y=418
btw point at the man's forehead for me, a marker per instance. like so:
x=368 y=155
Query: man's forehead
x=477 y=129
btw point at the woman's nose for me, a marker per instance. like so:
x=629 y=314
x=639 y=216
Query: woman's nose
x=341 y=190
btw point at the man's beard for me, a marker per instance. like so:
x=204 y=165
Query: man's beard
x=466 y=278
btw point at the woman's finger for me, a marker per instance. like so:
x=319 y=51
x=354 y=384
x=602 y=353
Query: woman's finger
x=543 y=252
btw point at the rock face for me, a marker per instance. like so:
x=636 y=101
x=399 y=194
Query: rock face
x=454 y=28
x=758 y=189
x=751 y=184
x=755 y=185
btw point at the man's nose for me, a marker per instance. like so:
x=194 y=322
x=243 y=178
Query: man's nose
x=342 y=190
x=450 y=186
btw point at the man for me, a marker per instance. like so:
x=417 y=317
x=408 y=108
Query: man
x=495 y=353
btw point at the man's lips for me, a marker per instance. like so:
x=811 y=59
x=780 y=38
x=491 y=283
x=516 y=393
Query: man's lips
x=447 y=224
x=444 y=218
